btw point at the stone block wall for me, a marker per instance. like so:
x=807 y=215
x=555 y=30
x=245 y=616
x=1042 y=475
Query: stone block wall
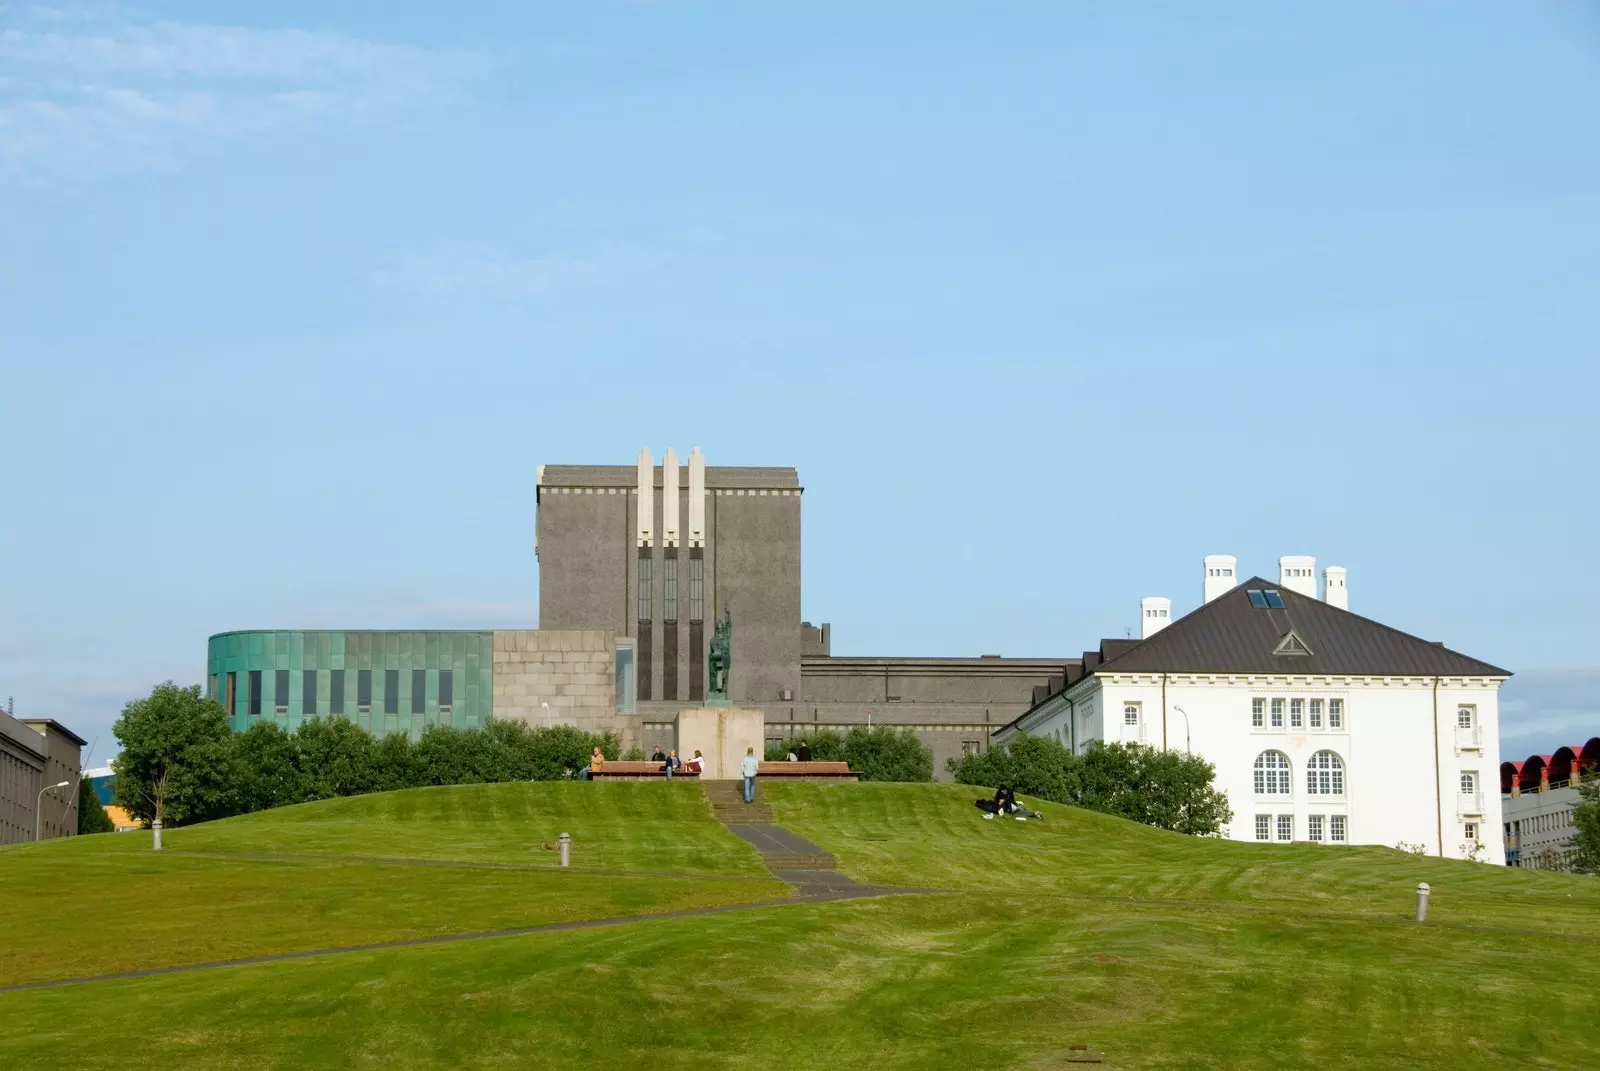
x=573 y=671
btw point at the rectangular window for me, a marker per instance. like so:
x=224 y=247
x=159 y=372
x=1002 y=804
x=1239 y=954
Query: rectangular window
x=1130 y=714
x=1277 y=713
x=447 y=690
x=308 y=692
x=1465 y=717
x=419 y=691
x=1263 y=827
x=1316 y=713
x=363 y=691
x=1470 y=830
x=336 y=691
x=971 y=747
x=1336 y=828
x=1286 y=827
x=255 y=693
x=644 y=586
x=280 y=691
x=1314 y=828
x=1258 y=713
x=230 y=692
x=216 y=688
x=1297 y=713
x=697 y=587
x=669 y=593
x=391 y=691
x=1336 y=713
x=1469 y=782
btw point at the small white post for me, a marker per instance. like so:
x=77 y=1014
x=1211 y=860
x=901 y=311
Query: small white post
x=547 y=722
x=1422 y=901
x=566 y=850
x=155 y=827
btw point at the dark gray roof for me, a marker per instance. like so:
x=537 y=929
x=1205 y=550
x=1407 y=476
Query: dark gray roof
x=1229 y=635
x=718 y=476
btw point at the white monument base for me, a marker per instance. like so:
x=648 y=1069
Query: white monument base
x=721 y=734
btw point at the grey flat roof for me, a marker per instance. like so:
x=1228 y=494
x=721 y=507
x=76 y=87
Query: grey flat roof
x=628 y=476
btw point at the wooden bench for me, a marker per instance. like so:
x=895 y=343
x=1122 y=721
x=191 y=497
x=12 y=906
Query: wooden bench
x=840 y=770
x=639 y=770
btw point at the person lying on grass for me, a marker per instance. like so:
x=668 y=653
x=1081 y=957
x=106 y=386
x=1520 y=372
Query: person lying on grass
x=1005 y=802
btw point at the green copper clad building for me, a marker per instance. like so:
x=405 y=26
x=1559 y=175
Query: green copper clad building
x=405 y=681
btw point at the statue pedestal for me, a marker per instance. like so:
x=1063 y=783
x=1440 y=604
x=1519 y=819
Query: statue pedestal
x=721 y=734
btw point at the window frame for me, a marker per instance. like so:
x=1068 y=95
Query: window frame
x=1297 y=713
x=1338 y=829
x=254 y=698
x=1132 y=714
x=645 y=609
x=1272 y=768
x=280 y=691
x=1264 y=827
x=1315 y=828
x=1275 y=709
x=1466 y=716
x=1329 y=774
x=1283 y=829
x=336 y=691
x=1336 y=714
x=669 y=587
x=419 y=691
x=1258 y=713
x=308 y=693
x=1314 y=714
x=391 y=691
x=363 y=691
x=447 y=691
x=1469 y=782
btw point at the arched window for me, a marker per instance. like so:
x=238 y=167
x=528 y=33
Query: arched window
x=1272 y=774
x=1325 y=774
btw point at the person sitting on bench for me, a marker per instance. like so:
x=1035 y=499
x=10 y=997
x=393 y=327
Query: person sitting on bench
x=672 y=763
x=698 y=763
x=803 y=752
x=597 y=761
x=1005 y=802
x=659 y=756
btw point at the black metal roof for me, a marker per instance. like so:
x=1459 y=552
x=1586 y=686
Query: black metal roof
x=1230 y=635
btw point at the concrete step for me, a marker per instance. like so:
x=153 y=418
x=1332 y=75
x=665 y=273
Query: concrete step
x=798 y=862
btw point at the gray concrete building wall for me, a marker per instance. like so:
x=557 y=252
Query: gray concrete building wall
x=573 y=671
x=589 y=569
x=35 y=753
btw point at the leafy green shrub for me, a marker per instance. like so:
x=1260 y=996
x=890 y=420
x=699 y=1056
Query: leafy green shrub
x=1168 y=789
x=335 y=758
x=886 y=755
x=826 y=746
x=267 y=764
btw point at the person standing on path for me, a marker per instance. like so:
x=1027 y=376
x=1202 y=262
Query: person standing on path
x=749 y=766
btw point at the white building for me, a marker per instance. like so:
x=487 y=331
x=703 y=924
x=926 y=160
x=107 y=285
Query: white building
x=1322 y=725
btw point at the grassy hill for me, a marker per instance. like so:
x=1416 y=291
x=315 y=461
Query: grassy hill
x=1162 y=951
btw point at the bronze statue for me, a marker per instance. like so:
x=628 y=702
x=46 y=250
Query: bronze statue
x=721 y=659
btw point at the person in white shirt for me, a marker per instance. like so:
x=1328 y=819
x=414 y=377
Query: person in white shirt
x=749 y=766
x=698 y=763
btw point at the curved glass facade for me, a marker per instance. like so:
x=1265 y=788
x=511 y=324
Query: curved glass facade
x=385 y=682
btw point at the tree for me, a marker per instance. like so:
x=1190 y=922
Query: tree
x=1586 y=817
x=886 y=755
x=268 y=768
x=177 y=760
x=1167 y=789
x=335 y=757
x=92 y=817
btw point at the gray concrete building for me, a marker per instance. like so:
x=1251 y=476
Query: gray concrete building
x=35 y=754
x=654 y=553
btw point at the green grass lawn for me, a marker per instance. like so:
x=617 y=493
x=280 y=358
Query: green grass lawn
x=105 y=904
x=1231 y=956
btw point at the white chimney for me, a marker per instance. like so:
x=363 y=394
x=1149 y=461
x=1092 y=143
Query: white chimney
x=646 y=506
x=697 y=498
x=1221 y=574
x=1155 y=614
x=1334 y=593
x=1298 y=572
x=670 y=503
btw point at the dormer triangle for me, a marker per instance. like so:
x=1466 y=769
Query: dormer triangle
x=1291 y=644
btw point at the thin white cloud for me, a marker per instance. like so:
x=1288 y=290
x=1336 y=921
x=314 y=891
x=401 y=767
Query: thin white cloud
x=486 y=273
x=84 y=91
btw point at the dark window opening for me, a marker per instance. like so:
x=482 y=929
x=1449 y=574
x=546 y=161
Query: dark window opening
x=391 y=691
x=697 y=586
x=419 y=690
x=644 y=586
x=230 y=695
x=308 y=693
x=336 y=691
x=669 y=594
x=255 y=693
x=363 y=690
x=1258 y=600
x=447 y=690
x=1274 y=599
x=280 y=691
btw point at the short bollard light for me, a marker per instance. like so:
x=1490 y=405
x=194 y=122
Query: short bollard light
x=155 y=827
x=566 y=850
x=1422 y=901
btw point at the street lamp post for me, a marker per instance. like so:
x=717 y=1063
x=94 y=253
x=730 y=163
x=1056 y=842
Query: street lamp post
x=38 y=809
x=1185 y=714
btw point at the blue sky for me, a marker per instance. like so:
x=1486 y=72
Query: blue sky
x=1045 y=301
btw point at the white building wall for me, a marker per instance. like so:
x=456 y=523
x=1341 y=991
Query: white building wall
x=1395 y=790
